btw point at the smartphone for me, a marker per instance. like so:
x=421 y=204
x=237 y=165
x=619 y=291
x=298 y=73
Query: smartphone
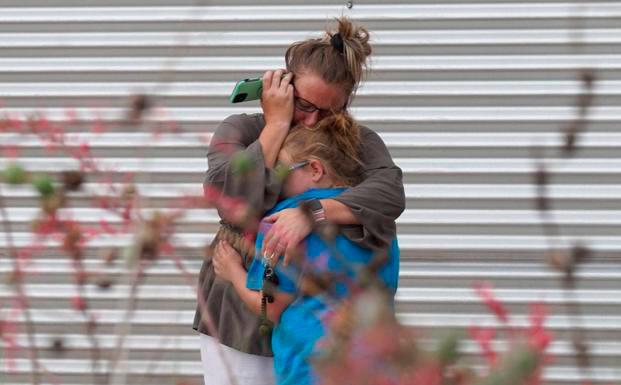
x=246 y=90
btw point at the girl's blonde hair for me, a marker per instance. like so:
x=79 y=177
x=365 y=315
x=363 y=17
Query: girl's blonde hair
x=335 y=141
x=339 y=57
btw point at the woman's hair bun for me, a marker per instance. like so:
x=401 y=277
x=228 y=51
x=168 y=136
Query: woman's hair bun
x=337 y=42
x=339 y=57
x=356 y=47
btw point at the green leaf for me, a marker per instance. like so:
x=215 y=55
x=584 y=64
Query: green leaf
x=242 y=163
x=44 y=184
x=448 y=348
x=15 y=174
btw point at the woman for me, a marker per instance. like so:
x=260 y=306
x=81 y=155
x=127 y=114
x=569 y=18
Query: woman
x=318 y=169
x=322 y=75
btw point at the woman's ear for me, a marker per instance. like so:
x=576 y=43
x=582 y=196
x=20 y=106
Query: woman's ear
x=317 y=170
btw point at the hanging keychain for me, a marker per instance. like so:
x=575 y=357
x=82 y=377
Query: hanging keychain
x=270 y=282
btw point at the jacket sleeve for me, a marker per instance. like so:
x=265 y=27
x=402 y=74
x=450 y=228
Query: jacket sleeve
x=379 y=199
x=236 y=165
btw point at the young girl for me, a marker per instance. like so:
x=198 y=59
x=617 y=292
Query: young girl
x=322 y=162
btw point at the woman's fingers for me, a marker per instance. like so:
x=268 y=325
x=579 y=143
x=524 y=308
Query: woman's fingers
x=285 y=82
x=267 y=80
x=277 y=100
x=267 y=241
x=271 y=218
x=270 y=240
x=276 y=79
x=281 y=246
x=275 y=243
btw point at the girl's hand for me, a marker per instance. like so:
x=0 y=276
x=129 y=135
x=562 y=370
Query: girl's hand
x=277 y=99
x=227 y=262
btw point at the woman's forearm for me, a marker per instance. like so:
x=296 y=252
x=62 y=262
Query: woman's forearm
x=271 y=140
x=339 y=213
x=277 y=106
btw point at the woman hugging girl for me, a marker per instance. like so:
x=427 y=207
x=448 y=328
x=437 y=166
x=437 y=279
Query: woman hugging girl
x=321 y=162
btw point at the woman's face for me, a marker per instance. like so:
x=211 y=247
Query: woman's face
x=311 y=92
x=298 y=180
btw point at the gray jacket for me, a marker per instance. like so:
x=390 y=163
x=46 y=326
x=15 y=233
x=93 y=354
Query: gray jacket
x=376 y=202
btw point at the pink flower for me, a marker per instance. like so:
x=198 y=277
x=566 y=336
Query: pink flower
x=427 y=374
x=85 y=149
x=127 y=213
x=14 y=123
x=98 y=126
x=167 y=248
x=51 y=147
x=484 y=337
x=47 y=226
x=10 y=151
x=106 y=227
x=40 y=124
x=71 y=115
x=484 y=290
x=78 y=303
x=211 y=193
x=10 y=343
x=538 y=337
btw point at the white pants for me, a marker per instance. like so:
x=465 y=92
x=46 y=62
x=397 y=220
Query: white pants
x=248 y=369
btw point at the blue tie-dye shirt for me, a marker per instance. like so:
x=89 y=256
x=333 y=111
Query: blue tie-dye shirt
x=300 y=325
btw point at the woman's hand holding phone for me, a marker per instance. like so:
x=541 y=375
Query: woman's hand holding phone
x=277 y=100
x=277 y=104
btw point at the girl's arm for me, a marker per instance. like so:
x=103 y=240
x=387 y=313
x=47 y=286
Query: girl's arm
x=228 y=266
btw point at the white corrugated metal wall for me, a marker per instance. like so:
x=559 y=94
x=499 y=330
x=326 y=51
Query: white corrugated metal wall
x=460 y=91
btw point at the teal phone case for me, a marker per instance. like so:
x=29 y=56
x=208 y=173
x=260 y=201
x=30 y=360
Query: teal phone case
x=246 y=90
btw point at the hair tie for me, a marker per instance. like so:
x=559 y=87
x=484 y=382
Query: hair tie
x=337 y=42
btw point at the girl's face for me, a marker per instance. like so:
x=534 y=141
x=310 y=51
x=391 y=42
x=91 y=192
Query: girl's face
x=299 y=179
x=313 y=94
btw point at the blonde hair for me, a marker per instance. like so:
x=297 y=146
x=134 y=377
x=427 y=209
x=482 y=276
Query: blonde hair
x=335 y=141
x=339 y=57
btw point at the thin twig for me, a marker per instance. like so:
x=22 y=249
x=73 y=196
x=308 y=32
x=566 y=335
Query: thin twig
x=90 y=332
x=21 y=295
x=206 y=319
x=123 y=328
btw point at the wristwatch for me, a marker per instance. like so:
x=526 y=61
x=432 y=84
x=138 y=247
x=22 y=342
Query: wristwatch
x=316 y=210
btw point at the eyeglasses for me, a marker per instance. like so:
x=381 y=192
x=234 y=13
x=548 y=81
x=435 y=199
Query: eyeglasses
x=297 y=165
x=306 y=106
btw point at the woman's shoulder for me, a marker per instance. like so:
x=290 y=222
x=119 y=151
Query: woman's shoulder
x=244 y=128
x=367 y=134
x=249 y=121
